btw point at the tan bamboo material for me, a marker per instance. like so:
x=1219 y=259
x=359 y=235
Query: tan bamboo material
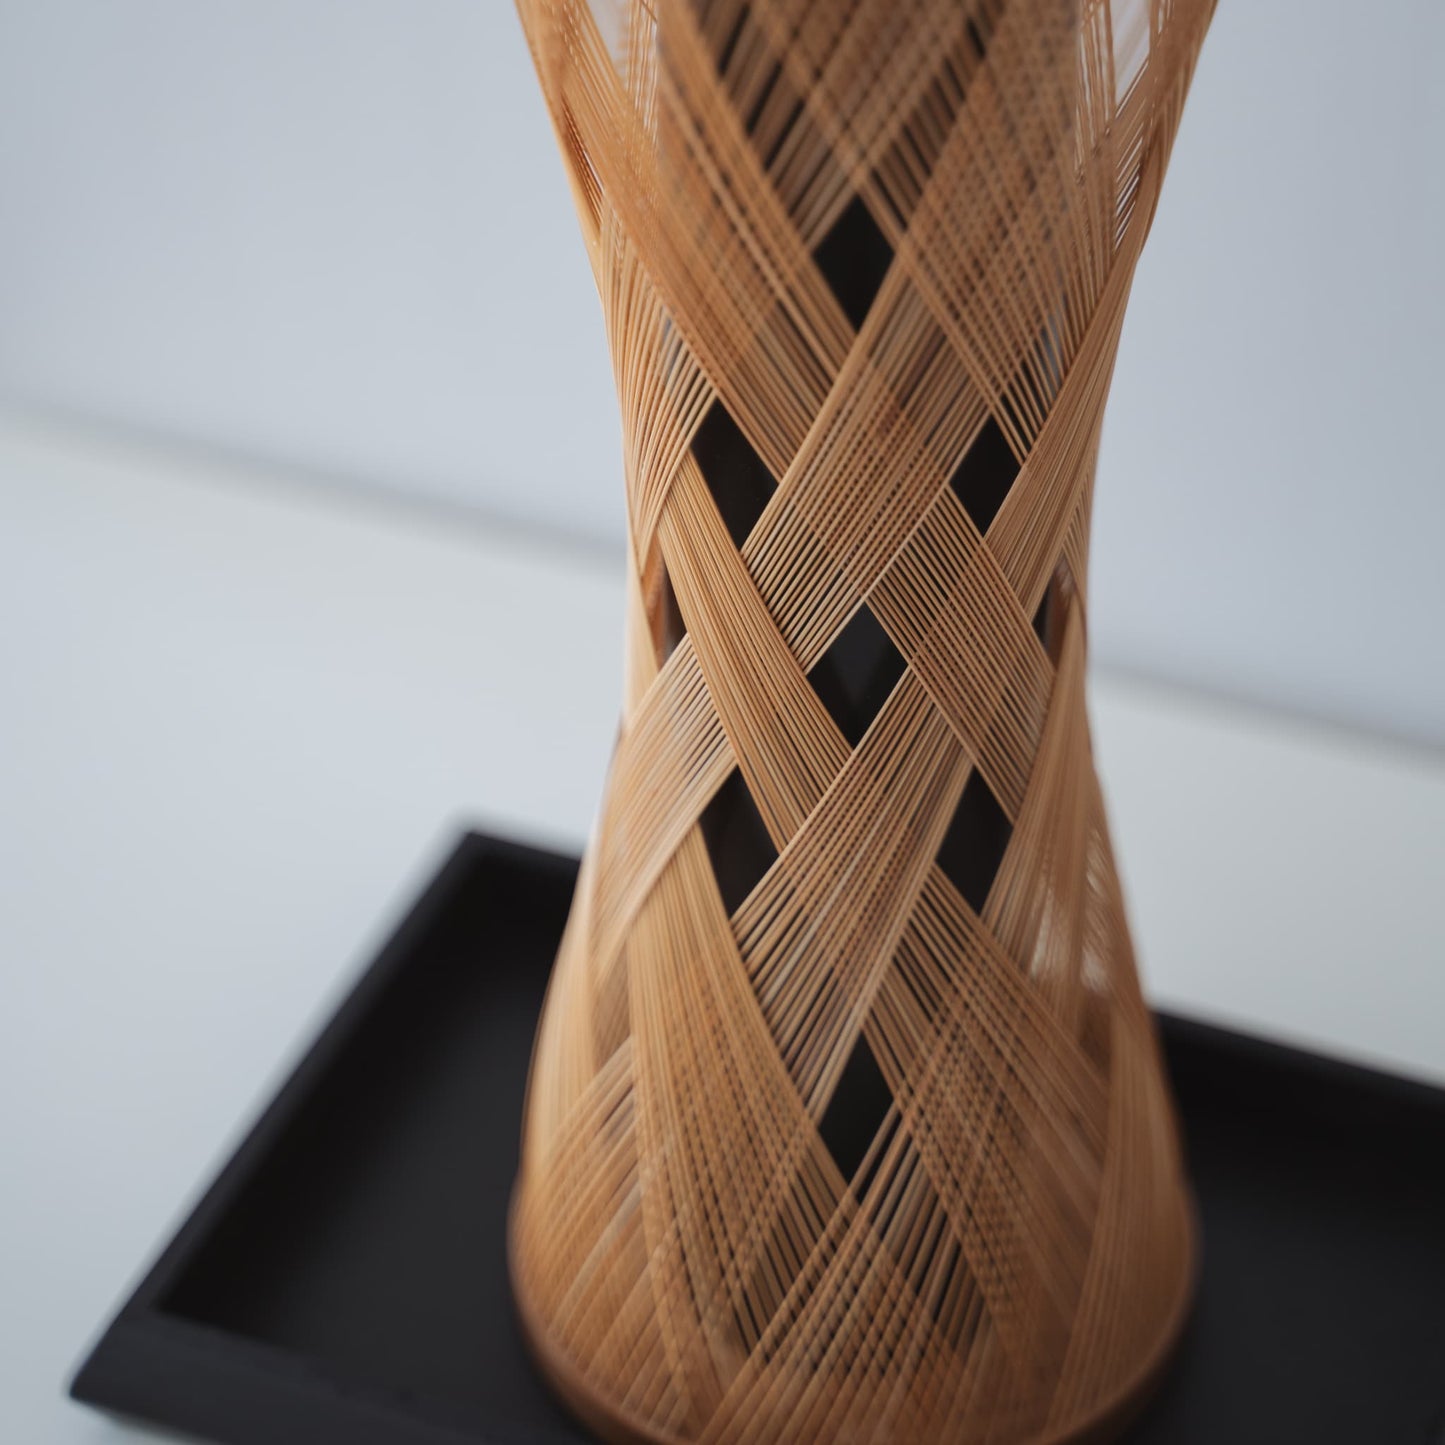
x=863 y=265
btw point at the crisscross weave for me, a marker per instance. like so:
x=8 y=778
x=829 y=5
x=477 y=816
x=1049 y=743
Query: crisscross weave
x=846 y=1118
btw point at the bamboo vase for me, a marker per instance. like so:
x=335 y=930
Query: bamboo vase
x=846 y=1118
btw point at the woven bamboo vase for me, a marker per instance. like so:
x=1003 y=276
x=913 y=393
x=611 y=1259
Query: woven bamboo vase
x=846 y=1119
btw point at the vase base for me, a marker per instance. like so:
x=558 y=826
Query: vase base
x=1107 y=1424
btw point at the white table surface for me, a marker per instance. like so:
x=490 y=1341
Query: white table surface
x=240 y=722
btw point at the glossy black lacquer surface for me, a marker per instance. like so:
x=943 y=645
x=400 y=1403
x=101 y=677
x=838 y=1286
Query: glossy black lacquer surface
x=344 y=1280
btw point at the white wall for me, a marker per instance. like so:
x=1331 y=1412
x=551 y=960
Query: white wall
x=329 y=232
x=334 y=233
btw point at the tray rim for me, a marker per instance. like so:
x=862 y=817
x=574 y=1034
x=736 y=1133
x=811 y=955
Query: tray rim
x=141 y=1334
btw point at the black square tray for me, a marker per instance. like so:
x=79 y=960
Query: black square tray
x=344 y=1280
